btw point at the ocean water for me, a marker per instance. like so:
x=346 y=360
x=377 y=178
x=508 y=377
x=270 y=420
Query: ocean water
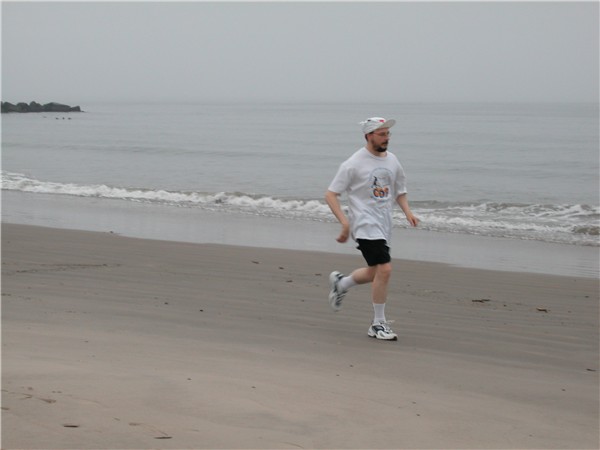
x=514 y=171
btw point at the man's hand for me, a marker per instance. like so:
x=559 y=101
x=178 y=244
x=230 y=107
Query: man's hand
x=402 y=201
x=332 y=199
x=412 y=219
x=343 y=237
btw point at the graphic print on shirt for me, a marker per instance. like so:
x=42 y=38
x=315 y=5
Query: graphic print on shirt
x=381 y=182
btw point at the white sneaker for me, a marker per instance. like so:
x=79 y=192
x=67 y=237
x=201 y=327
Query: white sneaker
x=335 y=294
x=382 y=330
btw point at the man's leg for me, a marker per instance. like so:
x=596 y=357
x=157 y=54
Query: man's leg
x=379 y=275
x=364 y=275
x=378 y=272
x=340 y=284
x=380 y=328
x=381 y=279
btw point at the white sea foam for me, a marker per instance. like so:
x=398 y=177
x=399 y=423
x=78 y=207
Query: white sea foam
x=242 y=201
x=571 y=224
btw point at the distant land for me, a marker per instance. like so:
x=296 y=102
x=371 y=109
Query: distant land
x=34 y=107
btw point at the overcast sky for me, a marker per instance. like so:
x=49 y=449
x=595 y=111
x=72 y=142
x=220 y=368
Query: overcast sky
x=342 y=51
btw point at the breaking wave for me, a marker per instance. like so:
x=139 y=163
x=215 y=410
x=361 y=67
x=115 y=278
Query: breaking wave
x=570 y=224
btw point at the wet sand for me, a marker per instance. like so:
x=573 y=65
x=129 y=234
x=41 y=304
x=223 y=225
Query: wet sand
x=113 y=342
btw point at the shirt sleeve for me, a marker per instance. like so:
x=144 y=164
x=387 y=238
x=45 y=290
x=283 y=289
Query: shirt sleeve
x=341 y=181
x=400 y=181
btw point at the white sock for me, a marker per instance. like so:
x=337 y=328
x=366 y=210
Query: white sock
x=379 y=310
x=346 y=283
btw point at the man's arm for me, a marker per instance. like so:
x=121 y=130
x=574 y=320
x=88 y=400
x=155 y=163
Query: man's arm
x=333 y=200
x=402 y=201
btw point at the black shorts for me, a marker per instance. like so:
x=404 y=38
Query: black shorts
x=374 y=251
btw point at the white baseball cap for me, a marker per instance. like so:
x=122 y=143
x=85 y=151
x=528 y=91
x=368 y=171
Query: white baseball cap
x=375 y=123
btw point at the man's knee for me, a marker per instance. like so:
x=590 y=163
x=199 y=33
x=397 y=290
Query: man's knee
x=384 y=271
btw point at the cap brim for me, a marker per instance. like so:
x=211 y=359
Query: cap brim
x=387 y=124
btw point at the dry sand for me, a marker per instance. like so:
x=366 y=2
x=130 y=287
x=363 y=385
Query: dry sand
x=111 y=342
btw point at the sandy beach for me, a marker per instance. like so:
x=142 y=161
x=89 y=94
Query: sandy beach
x=112 y=342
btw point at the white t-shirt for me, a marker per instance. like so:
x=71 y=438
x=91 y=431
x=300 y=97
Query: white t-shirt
x=372 y=184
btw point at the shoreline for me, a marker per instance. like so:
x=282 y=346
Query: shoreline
x=199 y=226
x=119 y=342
